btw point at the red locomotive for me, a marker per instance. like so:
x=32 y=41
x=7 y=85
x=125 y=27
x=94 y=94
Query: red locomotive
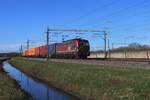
x=75 y=48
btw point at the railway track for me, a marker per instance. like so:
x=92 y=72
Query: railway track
x=100 y=59
x=121 y=63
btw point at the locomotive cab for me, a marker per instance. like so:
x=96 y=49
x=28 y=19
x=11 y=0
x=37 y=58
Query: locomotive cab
x=83 y=48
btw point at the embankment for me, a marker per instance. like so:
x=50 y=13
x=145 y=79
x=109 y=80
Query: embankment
x=9 y=90
x=89 y=81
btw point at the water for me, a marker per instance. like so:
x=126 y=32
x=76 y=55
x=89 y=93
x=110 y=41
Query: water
x=37 y=90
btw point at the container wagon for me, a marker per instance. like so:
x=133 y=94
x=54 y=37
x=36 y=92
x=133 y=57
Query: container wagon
x=75 y=48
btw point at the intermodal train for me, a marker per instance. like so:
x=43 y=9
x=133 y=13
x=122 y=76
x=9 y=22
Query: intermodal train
x=75 y=48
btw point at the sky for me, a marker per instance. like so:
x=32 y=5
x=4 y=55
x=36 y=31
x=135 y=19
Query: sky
x=126 y=21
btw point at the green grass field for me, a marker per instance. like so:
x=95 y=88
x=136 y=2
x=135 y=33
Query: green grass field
x=9 y=89
x=90 y=82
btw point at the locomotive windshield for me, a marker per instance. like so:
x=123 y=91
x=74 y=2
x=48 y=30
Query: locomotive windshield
x=83 y=43
x=83 y=48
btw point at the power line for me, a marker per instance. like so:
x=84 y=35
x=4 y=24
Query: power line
x=134 y=15
x=120 y=11
x=90 y=12
x=136 y=26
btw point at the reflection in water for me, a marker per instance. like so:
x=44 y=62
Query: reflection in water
x=38 y=91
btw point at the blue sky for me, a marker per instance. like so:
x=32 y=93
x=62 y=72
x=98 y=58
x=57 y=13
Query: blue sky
x=126 y=20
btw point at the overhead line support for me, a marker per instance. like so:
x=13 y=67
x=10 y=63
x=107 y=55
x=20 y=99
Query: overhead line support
x=79 y=30
x=47 y=38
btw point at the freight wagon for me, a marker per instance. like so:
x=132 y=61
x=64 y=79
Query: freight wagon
x=75 y=48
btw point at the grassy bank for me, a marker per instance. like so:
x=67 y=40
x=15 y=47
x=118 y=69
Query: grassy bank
x=89 y=81
x=9 y=89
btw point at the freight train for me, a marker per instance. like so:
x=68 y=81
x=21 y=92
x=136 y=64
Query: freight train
x=75 y=48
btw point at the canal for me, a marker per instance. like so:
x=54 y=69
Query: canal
x=38 y=90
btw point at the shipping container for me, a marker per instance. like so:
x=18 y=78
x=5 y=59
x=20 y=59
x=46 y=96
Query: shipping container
x=37 y=52
x=31 y=52
x=43 y=51
x=26 y=53
x=76 y=48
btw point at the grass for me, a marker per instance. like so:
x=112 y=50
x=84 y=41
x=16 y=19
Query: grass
x=90 y=82
x=9 y=89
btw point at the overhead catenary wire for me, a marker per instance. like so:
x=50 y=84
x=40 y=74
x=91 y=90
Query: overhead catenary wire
x=133 y=17
x=90 y=13
x=93 y=11
x=118 y=12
